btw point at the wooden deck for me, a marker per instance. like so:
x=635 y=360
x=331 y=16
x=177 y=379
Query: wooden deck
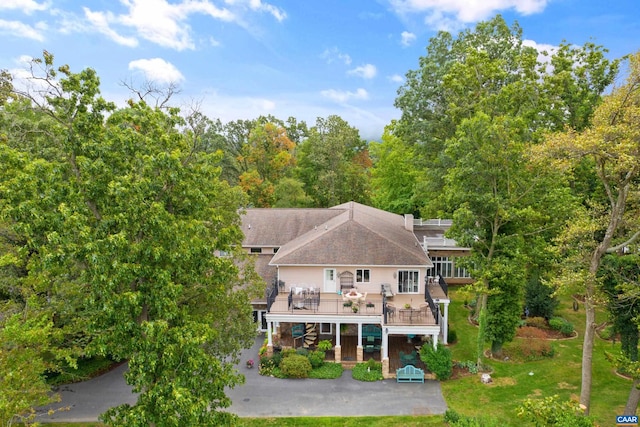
x=333 y=304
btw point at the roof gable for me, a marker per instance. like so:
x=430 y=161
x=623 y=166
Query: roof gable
x=358 y=235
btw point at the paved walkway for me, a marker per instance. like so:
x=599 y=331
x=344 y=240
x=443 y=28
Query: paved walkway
x=269 y=397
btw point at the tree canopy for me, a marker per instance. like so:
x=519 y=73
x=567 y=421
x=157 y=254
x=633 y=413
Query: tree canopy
x=117 y=204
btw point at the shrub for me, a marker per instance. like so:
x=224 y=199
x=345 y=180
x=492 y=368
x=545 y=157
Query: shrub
x=328 y=371
x=531 y=332
x=267 y=365
x=437 y=360
x=286 y=352
x=551 y=411
x=367 y=371
x=469 y=365
x=539 y=299
x=537 y=322
x=533 y=349
x=453 y=419
x=316 y=358
x=562 y=325
x=325 y=345
x=296 y=366
x=277 y=358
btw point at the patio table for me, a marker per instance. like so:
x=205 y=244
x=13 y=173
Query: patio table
x=353 y=298
x=409 y=313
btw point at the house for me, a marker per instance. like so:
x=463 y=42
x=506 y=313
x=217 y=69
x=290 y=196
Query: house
x=350 y=265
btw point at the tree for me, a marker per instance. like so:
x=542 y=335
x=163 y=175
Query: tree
x=611 y=144
x=126 y=204
x=394 y=176
x=333 y=163
x=473 y=110
x=620 y=275
x=269 y=154
x=289 y=193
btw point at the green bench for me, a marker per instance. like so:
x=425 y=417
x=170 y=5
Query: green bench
x=409 y=374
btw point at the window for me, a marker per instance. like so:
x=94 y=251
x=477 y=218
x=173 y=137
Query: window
x=408 y=281
x=256 y=250
x=461 y=272
x=445 y=267
x=363 y=275
x=275 y=250
x=223 y=254
x=442 y=266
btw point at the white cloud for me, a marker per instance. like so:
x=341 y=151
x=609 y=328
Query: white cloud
x=19 y=29
x=334 y=54
x=26 y=6
x=167 y=23
x=545 y=51
x=344 y=96
x=100 y=22
x=277 y=13
x=366 y=71
x=452 y=13
x=407 y=38
x=396 y=78
x=157 y=70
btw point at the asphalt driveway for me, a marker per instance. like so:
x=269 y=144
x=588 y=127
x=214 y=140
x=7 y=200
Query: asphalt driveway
x=267 y=397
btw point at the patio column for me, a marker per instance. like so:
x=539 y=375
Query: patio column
x=445 y=324
x=385 y=343
x=359 y=353
x=337 y=350
x=269 y=339
x=434 y=338
x=384 y=352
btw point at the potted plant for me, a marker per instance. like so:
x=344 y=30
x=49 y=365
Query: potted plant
x=407 y=306
x=249 y=363
x=348 y=303
x=370 y=304
x=354 y=308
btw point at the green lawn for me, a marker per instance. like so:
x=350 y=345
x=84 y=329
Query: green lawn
x=513 y=382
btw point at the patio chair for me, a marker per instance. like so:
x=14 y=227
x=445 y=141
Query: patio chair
x=391 y=310
x=386 y=290
x=424 y=310
x=364 y=298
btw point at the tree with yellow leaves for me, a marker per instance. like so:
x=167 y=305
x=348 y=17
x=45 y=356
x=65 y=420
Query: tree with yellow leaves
x=609 y=219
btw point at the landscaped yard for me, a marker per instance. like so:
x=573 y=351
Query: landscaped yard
x=514 y=382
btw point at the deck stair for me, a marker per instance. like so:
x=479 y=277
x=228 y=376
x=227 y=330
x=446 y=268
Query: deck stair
x=307 y=332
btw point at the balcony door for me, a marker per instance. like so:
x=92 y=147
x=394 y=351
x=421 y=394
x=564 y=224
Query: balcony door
x=329 y=280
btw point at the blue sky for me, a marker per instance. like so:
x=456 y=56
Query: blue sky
x=238 y=59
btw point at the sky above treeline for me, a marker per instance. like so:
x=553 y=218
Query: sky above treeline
x=239 y=59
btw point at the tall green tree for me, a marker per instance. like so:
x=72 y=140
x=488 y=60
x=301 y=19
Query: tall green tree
x=123 y=201
x=334 y=163
x=608 y=219
x=394 y=175
x=473 y=110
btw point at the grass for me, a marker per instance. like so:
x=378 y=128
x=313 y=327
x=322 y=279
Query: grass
x=403 y=421
x=512 y=382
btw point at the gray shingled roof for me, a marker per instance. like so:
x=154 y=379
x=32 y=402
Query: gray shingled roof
x=276 y=227
x=351 y=234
